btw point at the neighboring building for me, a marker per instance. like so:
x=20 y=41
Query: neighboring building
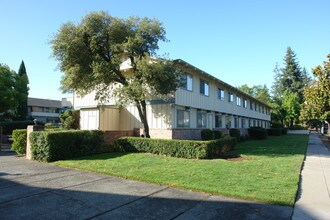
x=202 y=102
x=44 y=110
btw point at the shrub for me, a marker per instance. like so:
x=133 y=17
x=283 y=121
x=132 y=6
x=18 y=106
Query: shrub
x=19 y=141
x=284 y=131
x=274 y=131
x=207 y=134
x=277 y=125
x=9 y=126
x=70 y=119
x=257 y=133
x=177 y=148
x=217 y=134
x=297 y=127
x=58 y=145
x=233 y=132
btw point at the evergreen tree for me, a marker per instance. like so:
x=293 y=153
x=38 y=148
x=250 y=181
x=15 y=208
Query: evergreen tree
x=21 y=86
x=290 y=79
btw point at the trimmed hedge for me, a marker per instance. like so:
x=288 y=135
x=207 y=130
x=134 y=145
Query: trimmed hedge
x=274 y=131
x=208 y=134
x=19 y=141
x=9 y=126
x=177 y=148
x=234 y=132
x=257 y=133
x=59 y=145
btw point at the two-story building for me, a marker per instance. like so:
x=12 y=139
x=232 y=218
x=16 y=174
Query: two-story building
x=202 y=102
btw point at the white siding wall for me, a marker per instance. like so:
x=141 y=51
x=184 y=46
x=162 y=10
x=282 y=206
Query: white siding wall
x=196 y=100
x=89 y=119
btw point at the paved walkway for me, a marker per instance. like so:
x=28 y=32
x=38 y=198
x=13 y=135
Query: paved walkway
x=313 y=200
x=32 y=190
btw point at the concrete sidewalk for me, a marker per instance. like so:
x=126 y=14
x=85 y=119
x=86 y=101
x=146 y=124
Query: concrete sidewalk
x=313 y=201
x=32 y=190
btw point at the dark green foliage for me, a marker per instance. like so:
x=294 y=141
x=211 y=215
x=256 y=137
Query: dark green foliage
x=8 y=96
x=19 y=141
x=59 y=145
x=257 y=133
x=298 y=127
x=9 y=126
x=207 y=134
x=284 y=131
x=177 y=148
x=277 y=125
x=70 y=119
x=22 y=90
x=274 y=131
x=233 y=132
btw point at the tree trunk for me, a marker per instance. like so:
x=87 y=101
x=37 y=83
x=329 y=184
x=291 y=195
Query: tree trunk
x=142 y=108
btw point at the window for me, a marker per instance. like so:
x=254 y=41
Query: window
x=255 y=106
x=263 y=110
x=251 y=105
x=183 y=118
x=236 y=122
x=238 y=101
x=201 y=119
x=221 y=94
x=186 y=81
x=46 y=109
x=243 y=122
x=230 y=97
x=204 y=87
x=244 y=103
x=228 y=121
x=218 y=121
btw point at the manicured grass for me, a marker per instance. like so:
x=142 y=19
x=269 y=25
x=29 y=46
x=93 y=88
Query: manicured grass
x=268 y=172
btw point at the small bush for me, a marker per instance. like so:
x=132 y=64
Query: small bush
x=277 y=125
x=59 y=145
x=298 y=127
x=19 y=141
x=217 y=134
x=233 y=132
x=284 y=131
x=207 y=134
x=274 y=131
x=9 y=126
x=177 y=148
x=257 y=133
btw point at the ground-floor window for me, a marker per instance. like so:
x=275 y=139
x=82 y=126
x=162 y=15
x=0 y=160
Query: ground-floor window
x=236 y=122
x=201 y=119
x=218 y=121
x=183 y=118
x=228 y=121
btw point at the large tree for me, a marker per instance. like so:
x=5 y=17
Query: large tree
x=260 y=92
x=91 y=52
x=22 y=89
x=317 y=95
x=290 y=79
x=8 y=101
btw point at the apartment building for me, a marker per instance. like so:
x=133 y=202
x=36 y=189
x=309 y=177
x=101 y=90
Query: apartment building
x=202 y=102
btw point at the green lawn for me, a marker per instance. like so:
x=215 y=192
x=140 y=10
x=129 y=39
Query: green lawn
x=269 y=172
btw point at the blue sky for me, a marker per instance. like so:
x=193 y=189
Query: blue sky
x=237 y=41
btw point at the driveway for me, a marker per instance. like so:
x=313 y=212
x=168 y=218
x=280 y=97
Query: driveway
x=33 y=190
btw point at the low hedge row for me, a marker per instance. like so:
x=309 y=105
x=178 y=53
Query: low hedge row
x=208 y=134
x=19 y=141
x=274 y=131
x=59 y=145
x=257 y=133
x=234 y=132
x=177 y=148
x=9 y=126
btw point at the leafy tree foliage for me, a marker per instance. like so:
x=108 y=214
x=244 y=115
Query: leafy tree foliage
x=259 y=92
x=91 y=52
x=290 y=79
x=291 y=107
x=22 y=89
x=317 y=95
x=70 y=119
x=8 y=94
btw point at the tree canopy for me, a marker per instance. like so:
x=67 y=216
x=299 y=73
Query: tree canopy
x=91 y=52
x=260 y=92
x=8 y=93
x=22 y=89
x=317 y=95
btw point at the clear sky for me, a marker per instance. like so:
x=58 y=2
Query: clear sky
x=237 y=41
